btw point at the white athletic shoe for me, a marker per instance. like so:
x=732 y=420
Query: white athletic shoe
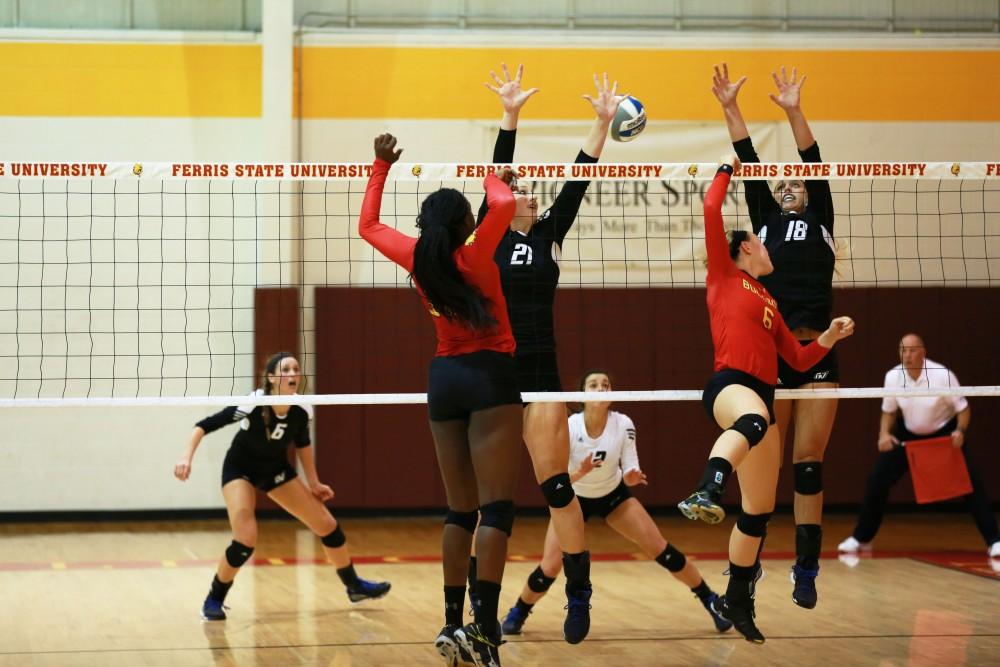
x=852 y=546
x=994 y=551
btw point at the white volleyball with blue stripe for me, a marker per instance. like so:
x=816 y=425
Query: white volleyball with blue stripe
x=629 y=121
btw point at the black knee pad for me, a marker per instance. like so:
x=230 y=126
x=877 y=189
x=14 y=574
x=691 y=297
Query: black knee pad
x=672 y=559
x=238 y=553
x=538 y=582
x=466 y=520
x=808 y=477
x=558 y=490
x=499 y=514
x=752 y=427
x=334 y=539
x=754 y=525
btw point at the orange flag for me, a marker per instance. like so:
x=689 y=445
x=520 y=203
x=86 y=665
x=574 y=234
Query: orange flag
x=938 y=470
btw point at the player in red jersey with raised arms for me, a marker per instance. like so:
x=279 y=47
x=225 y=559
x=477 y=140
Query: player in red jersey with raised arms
x=748 y=334
x=472 y=396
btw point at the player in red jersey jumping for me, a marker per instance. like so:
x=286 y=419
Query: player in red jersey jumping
x=472 y=395
x=748 y=334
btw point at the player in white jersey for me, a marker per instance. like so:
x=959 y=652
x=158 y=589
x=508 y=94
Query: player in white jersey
x=603 y=464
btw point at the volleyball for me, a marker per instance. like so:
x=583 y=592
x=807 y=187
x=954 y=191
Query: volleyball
x=629 y=120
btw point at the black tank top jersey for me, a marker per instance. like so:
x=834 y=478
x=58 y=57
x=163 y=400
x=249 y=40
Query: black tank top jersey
x=801 y=246
x=260 y=443
x=529 y=263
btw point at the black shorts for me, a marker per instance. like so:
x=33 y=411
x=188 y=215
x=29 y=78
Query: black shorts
x=604 y=505
x=728 y=376
x=538 y=371
x=462 y=384
x=265 y=475
x=826 y=370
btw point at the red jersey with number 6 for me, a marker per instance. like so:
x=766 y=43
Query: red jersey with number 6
x=748 y=331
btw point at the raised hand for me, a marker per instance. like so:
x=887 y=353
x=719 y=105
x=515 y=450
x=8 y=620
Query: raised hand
x=788 y=89
x=509 y=90
x=840 y=328
x=725 y=90
x=607 y=100
x=385 y=148
x=634 y=477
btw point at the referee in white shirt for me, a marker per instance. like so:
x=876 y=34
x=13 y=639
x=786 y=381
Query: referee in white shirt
x=919 y=418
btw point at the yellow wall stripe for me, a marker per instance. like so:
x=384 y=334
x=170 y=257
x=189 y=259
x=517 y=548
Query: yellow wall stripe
x=69 y=79
x=427 y=83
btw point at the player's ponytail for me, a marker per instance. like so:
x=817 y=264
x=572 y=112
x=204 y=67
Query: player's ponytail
x=441 y=222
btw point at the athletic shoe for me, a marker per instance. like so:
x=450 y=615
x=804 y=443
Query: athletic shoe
x=703 y=504
x=994 y=551
x=721 y=623
x=454 y=655
x=742 y=618
x=213 y=610
x=473 y=602
x=368 y=590
x=482 y=648
x=577 y=623
x=804 y=582
x=852 y=546
x=514 y=621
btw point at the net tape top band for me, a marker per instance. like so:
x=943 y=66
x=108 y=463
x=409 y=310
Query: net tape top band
x=699 y=171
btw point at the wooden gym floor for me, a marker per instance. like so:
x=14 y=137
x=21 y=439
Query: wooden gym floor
x=130 y=594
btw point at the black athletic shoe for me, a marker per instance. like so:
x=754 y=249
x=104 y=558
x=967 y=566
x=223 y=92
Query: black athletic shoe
x=742 y=617
x=804 y=591
x=514 y=621
x=213 y=610
x=703 y=504
x=721 y=623
x=482 y=648
x=452 y=652
x=368 y=590
x=577 y=623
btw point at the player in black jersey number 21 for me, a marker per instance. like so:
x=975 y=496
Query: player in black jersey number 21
x=795 y=222
x=258 y=458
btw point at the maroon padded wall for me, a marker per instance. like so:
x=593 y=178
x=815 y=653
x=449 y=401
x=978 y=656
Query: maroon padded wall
x=380 y=340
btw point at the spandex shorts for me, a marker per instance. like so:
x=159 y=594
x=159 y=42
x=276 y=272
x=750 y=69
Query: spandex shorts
x=265 y=475
x=826 y=370
x=728 y=376
x=462 y=384
x=606 y=504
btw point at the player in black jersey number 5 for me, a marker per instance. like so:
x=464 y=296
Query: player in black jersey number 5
x=795 y=222
x=258 y=458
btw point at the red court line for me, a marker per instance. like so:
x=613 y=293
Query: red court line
x=971 y=562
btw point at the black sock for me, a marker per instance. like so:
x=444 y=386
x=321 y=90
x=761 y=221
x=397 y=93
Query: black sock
x=716 y=475
x=523 y=606
x=702 y=591
x=577 y=568
x=489 y=603
x=454 y=598
x=808 y=544
x=472 y=575
x=348 y=575
x=741 y=584
x=220 y=589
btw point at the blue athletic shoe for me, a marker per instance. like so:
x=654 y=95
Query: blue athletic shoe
x=213 y=610
x=577 y=623
x=721 y=622
x=368 y=590
x=804 y=591
x=514 y=621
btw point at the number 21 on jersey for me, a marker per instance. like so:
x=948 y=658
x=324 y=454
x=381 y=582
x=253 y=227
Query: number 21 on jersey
x=522 y=254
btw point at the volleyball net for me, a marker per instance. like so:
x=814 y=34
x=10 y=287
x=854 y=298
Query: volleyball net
x=156 y=283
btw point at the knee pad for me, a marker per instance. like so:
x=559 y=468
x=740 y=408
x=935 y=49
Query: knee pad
x=466 y=520
x=558 y=490
x=754 y=525
x=499 y=514
x=538 y=582
x=334 y=539
x=752 y=427
x=237 y=554
x=808 y=478
x=672 y=559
